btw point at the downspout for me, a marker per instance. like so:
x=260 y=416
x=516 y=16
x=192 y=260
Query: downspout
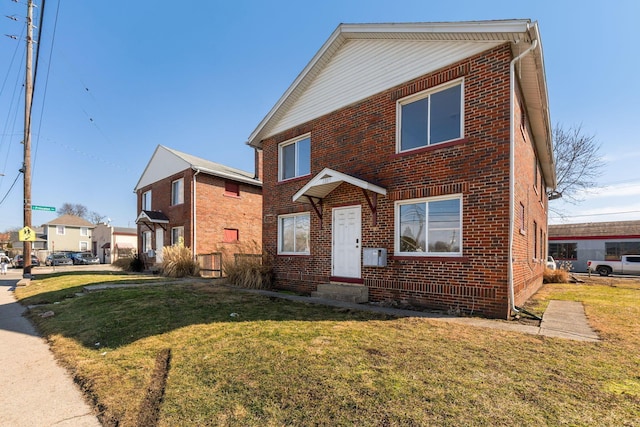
x=512 y=145
x=193 y=217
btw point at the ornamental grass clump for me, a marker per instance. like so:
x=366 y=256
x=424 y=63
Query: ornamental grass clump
x=559 y=275
x=249 y=268
x=177 y=261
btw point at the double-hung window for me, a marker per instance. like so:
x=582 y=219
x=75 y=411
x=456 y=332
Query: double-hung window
x=430 y=226
x=146 y=241
x=177 y=236
x=293 y=234
x=294 y=158
x=177 y=191
x=146 y=201
x=430 y=117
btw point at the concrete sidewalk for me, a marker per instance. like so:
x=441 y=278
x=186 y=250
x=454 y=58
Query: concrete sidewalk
x=34 y=389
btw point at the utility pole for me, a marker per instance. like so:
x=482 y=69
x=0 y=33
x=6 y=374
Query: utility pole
x=26 y=167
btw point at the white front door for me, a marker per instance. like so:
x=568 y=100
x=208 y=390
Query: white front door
x=347 y=243
x=159 y=244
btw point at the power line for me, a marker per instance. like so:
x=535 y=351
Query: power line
x=10 y=188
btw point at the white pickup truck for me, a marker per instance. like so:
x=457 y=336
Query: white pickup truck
x=628 y=264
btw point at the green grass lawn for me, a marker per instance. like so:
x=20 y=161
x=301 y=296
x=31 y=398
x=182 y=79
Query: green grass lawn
x=237 y=358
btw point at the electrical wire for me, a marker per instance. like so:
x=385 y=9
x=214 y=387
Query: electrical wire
x=10 y=188
x=46 y=84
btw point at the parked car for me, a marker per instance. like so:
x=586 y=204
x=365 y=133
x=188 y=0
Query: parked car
x=628 y=264
x=85 y=258
x=18 y=263
x=551 y=263
x=58 y=259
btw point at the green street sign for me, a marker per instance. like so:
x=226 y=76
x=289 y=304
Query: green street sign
x=43 y=208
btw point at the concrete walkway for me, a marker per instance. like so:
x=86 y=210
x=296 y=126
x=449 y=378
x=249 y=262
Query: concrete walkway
x=34 y=389
x=562 y=319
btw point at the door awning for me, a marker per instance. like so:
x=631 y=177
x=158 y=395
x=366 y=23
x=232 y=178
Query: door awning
x=153 y=217
x=328 y=180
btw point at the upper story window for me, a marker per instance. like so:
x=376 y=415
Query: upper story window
x=146 y=201
x=430 y=117
x=60 y=230
x=177 y=191
x=294 y=158
x=84 y=231
x=231 y=189
x=430 y=226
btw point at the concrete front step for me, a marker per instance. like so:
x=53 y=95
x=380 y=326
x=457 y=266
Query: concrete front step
x=342 y=292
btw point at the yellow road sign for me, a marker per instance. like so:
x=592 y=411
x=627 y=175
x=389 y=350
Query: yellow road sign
x=27 y=235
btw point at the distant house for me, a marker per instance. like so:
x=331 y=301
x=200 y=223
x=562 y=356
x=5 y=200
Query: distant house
x=578 y=243
x=410 y=163
x=68 y=233
x=111 y=243
x=183 y=199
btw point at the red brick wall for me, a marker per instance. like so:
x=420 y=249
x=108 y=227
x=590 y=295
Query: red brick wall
x=215 y=212
x=360 y=140
x=530 y=193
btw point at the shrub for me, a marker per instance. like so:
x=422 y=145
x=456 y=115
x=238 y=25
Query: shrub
x=559 y=275
x=249 y=267
x=177 y=261
x=135 y=263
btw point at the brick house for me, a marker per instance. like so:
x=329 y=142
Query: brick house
x=410 y=163
x=204 y=205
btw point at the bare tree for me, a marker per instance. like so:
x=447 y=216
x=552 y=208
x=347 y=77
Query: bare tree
x=578 y=161
x=95 y=217
x=81 y=210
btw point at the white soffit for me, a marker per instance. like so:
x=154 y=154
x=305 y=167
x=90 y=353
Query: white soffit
x=364 y=67
x=328 y=180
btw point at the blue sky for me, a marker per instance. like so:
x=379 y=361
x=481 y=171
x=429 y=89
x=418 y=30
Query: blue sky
x=198 y=76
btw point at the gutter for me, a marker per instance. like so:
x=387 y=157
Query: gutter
x=512 y=145
x=193 y=216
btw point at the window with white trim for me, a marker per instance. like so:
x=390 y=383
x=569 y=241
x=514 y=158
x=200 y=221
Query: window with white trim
x=177 y=191
x=84 y=246
x=60 y=230
x=431 y=226
x=146 y=241
x=177 y=236
x=293 y=234
x=84 y=231
x=294 y=158
x=430 y=117
x=146 y=201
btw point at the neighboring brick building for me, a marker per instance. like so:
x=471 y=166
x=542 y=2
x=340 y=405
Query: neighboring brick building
x=415 y=147
x=221 y=211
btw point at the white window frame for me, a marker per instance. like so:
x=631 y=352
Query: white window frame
x=146 y=201
x=84 y=231
x=177 y=197
x=420 y=96
x=281 y=146
x=146 y=241
x=426 y=201
x=280 y=230
x=83 y=246
x=180 y=230
x=60 y=230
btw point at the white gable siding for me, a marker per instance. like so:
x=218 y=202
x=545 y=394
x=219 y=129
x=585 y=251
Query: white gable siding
x=362 y=68
x=162 y=164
